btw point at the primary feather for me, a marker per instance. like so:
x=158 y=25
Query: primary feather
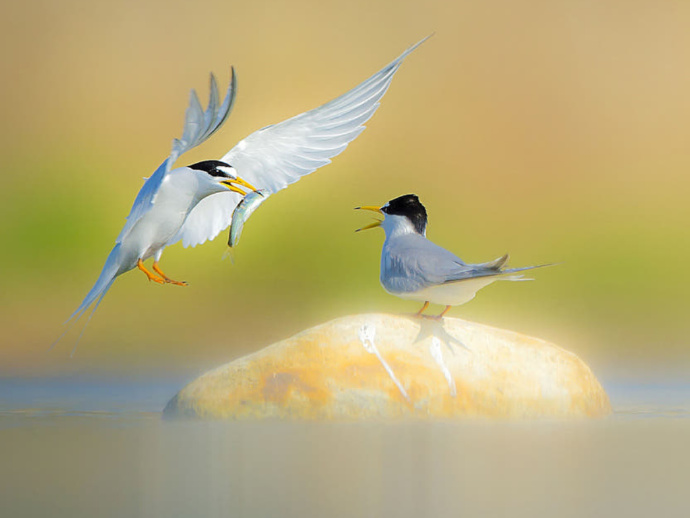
x=198 y=127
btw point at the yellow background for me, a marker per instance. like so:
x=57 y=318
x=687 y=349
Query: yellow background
x=557 y=131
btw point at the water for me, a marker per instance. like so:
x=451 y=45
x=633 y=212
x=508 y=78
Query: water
x=93 y=448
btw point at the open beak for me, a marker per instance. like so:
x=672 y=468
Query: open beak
x=376 y=223
x=230 y=184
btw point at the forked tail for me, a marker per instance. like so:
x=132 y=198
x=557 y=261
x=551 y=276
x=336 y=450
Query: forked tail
x=105 y=281
x=506 y=275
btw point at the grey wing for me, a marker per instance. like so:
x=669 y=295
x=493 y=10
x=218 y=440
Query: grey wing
x=199 y=125
x=276 y=156
x=440 y=268
x=413 y=262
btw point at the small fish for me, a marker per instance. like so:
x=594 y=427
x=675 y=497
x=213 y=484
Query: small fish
x=244 y=209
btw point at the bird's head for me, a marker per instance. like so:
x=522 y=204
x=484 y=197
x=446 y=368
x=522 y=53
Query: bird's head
x=402 y=215
x=219 y=176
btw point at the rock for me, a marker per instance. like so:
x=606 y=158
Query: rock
x=388 y=366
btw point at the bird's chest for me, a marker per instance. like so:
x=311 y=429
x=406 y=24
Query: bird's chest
x=165 y=223
x=162 y=222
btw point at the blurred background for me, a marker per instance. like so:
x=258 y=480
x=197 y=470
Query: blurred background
x=556 y=131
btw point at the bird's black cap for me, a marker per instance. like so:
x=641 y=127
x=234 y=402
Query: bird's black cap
x=410 y=207
x=212 y=167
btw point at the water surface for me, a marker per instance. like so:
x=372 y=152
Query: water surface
x=92 y=448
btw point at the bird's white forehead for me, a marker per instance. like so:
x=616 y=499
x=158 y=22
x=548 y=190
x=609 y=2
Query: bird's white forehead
x=227 y=169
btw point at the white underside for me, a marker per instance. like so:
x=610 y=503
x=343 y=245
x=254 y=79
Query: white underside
x=154 y=230
x=450 y=294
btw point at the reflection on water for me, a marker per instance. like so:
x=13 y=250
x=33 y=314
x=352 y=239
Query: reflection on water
x=650 y=400
x=101 y=449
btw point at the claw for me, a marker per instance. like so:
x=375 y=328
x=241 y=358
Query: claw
x=165 y=277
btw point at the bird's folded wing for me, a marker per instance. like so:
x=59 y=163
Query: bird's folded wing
x=276 y=156
x=198 y=126
x=429 y=264
x=415 y=263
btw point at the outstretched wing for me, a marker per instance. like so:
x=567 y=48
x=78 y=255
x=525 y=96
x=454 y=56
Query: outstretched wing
x=276 y=156
x=198 y=126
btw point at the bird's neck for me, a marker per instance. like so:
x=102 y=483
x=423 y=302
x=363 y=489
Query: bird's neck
x=397 y=226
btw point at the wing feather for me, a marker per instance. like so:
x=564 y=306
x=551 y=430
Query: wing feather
x=415 y=263
x=276 y=156
x=198 y=126
x=211 y=218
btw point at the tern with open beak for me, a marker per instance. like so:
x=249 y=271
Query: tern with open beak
x=412 y=267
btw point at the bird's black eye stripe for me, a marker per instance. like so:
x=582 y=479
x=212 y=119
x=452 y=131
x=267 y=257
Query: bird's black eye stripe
x=212 y=167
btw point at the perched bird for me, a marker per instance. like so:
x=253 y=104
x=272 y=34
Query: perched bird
x=412 y=267
x=195 y=203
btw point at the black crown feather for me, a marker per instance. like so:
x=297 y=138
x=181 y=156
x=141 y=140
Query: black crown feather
x=410 y=207
x=212 y=167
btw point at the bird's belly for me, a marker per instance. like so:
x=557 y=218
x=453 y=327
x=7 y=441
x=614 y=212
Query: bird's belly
x=449 y=294
x=153 y=232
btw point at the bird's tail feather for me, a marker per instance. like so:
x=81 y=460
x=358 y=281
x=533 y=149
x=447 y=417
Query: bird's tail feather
x=95 y=307
x=496 y=264
x=105 y=280
x=100 y=288
x=515 y=278
x=506 y=275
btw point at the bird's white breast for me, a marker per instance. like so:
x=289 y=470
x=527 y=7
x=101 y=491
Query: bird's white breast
x=173 y=202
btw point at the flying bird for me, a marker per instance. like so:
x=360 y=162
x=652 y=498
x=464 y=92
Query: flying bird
x=414 y=268
x=195 y=203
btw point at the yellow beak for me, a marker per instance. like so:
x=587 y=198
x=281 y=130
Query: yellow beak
x=230 y=184
x=376 y=223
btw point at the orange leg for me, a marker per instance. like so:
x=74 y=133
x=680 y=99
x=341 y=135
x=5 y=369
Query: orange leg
x=444 y=312
x=165 y=277
x=426 y=305
x=151 y=276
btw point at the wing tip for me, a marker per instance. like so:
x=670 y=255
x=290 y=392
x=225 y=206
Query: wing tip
x=411 y=48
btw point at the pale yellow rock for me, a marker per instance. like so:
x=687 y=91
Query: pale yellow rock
x=388 y=366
